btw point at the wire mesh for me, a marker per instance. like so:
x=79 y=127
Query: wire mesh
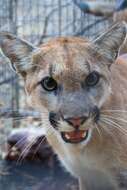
x=38 y=21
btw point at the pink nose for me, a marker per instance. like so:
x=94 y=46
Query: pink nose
x=76 y=122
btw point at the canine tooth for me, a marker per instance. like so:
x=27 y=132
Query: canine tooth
x=67 y=136
x=84 y=134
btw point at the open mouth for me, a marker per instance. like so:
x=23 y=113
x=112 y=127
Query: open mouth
x=75 y=136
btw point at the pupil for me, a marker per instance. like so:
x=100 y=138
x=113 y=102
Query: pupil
x=92 y=79
x=50 y=83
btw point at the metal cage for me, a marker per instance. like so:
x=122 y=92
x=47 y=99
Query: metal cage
x=38 y=21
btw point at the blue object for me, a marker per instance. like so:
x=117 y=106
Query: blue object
x=82 y=5
x=121 y=4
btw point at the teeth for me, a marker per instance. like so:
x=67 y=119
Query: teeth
x=67 y=136
x=84 y=135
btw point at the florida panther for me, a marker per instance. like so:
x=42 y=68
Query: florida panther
x=81 y=91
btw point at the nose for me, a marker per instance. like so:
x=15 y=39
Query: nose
x=76 y=122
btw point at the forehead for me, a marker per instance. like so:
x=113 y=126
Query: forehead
x=64 y=56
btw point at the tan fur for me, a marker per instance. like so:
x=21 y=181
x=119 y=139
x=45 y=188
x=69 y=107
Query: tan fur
x=121 y=16
x=69 y=61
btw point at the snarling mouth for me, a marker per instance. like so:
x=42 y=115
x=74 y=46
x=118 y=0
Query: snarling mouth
x=75 y=136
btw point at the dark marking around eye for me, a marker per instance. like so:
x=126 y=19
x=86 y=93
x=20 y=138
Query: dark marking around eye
x=88 y=66
x=51 y=70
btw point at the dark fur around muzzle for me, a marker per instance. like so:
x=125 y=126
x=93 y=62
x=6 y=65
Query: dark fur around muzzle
x=55 y=117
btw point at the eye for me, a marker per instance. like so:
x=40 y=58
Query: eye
x=49 y=84
x=92 y=79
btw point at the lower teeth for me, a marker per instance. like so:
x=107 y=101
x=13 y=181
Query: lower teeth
x=84 y=135
x=67 y=137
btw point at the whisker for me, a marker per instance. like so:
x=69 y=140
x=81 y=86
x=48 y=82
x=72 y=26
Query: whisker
x=106 y=129
x=41 y=143
x=123 y=111
x=98 y=130
x=118 y=119
x=42 y=140
x=23 y=153
x=18 y=143
x=115 y=125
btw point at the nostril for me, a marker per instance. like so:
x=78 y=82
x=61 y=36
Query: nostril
x=76 y=122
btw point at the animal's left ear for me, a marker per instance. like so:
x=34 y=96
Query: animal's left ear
x=18 y=51
x=109 y=43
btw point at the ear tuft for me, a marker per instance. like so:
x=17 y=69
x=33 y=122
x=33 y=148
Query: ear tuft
x=18 y=51
x=109 y=43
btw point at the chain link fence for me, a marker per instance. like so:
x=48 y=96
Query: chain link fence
x=38 y=21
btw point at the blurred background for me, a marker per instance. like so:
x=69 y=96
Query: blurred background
x=38 y=21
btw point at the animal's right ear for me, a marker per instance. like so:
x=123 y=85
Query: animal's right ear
x=18 y=51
